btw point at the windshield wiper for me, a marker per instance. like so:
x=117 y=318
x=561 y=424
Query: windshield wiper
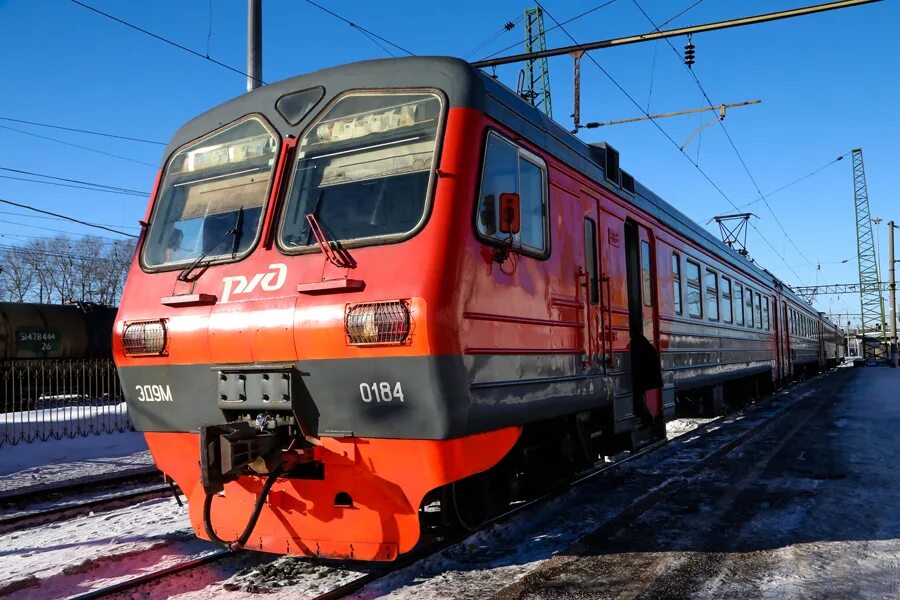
x=185 y=275
x=339 y=257
x=238 y=224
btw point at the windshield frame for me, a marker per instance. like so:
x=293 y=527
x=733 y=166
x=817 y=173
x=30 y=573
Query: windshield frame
x=375 y=240
x=264 y=208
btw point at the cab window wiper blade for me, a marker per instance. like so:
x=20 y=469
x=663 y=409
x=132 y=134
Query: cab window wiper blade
x=337 y=256
x=235 y=231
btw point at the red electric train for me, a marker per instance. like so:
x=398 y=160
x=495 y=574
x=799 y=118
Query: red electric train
x=395 y=284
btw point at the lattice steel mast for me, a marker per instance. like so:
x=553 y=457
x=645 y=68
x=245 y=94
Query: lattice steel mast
x=870 y=298
x=537 y=74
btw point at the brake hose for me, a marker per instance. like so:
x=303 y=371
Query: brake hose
x=257 y=509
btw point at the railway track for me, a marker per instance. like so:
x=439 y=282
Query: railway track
x=355 y=584
x=30 y=518
x=43 y=493
x=640 y=505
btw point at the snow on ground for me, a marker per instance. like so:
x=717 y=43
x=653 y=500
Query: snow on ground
x=806 y=509
x=679 y=427
x=73 y=556
x=54 y=462
x=58 y=414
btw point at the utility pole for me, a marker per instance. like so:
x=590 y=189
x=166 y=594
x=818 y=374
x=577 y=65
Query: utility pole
x=254 y=44
x=893 y=296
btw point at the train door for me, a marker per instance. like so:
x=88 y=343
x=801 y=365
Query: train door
x=640 y=269
x=786 y=341
x=778 y=335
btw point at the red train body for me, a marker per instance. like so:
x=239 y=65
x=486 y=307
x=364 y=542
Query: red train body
x=379 y=280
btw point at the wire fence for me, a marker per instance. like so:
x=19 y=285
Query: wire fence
x=45 y=399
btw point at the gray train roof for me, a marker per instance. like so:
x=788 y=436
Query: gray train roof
x=466 y=87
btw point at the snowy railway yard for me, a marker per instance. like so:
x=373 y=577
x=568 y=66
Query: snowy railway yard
x=793 y=497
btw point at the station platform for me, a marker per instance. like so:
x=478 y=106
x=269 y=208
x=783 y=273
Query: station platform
x=809 y=507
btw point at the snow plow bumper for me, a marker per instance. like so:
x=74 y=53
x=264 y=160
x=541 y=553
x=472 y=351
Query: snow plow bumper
x=362 y=503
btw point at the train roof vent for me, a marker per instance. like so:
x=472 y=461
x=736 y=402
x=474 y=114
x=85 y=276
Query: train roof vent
x=627 y=182
x=608 y=156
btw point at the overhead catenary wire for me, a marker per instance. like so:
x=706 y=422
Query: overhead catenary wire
x=86 y=131
x=509 y=26
x=727 y=135
x=88 y=148
x=68 y=185
x=367 y=32
x=77 y=183
x=66 y=217
x=672 y=18
x=164 y=40
x=44 y=228
x=52 y=254
x=812 y=173
x=45 y=217
x=667 y=136
x=557 y=26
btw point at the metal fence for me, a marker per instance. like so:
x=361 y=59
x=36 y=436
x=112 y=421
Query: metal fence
x=46 y=399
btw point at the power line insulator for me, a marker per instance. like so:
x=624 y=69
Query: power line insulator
x=509 y=26
x=689 y=53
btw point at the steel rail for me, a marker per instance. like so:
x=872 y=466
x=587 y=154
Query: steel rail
x=132 y=583
x=56 y=513
x=41 y=492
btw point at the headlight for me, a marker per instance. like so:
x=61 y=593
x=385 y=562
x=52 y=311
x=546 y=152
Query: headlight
x=145 y=338
x=377 y=322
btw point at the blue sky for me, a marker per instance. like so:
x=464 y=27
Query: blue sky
x=828 y=83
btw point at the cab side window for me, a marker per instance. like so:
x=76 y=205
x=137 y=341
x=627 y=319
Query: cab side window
x=509 y=169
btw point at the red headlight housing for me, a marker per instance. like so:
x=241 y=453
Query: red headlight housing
x=145 y=338
x=377 y=323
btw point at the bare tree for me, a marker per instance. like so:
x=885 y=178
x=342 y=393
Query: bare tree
x=18 y=277
x=65 y=269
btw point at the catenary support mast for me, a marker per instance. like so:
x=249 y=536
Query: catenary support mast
x=870 y=298
x=537 y=73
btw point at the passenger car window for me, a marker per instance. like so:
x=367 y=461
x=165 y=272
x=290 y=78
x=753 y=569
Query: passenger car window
x=726 y=300
x=510 y=169
x=765 y=312
x=748 y=306
x=738 y=303
x=757 y=299
x=712 y=295
x=695 y=308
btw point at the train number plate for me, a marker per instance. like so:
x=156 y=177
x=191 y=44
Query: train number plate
x=381 y=391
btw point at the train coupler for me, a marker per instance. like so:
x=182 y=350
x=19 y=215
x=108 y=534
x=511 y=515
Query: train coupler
x=226 y=450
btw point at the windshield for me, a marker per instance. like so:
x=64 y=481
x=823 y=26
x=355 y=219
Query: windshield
x=212 y=196
x=364 y=168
